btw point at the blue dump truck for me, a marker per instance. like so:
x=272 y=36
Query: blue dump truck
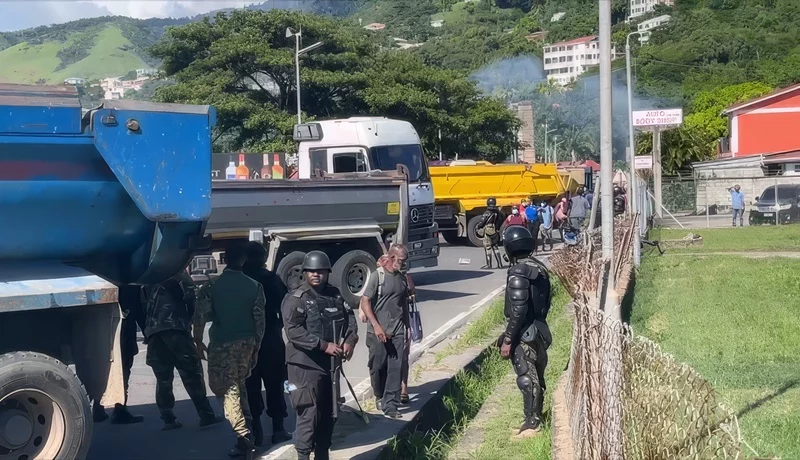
x=123 y=194
x=89 y=200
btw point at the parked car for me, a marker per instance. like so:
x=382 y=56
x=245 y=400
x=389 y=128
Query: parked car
x=788 y=205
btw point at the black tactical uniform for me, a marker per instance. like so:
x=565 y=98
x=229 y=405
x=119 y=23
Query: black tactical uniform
x=313 y=318
x=527 y=303
x=271 y=366
x=490 y=224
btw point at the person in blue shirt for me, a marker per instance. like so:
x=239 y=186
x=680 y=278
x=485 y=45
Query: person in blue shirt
x=545 y=213
x=737 y=204
x=532 y=219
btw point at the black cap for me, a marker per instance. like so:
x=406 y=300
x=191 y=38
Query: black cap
x=316 y=261
x=491 y=202
x=517 y=241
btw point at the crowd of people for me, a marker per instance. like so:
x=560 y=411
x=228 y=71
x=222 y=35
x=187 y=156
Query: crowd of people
x=568 y=215
x=250 y=309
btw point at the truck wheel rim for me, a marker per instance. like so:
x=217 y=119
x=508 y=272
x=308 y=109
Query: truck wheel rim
x=357 y=278
x=32 y=425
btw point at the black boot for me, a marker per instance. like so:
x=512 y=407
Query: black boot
x=243 y=449
x=279 y=433
x=531 y=423
x=121 y=416
x=98 y=412
x=321 y=454
x=258 y=432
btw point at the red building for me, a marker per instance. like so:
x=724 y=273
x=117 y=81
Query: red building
x=764 y=125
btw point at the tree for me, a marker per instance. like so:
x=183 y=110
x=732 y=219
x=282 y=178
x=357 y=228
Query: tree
x=243 y=64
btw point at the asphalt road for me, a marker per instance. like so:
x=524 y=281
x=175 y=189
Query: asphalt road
x=442 y=293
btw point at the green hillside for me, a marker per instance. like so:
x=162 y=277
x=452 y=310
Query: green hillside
x=107 y=53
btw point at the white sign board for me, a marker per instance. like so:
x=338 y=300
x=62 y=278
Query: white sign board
x=661 y=117
x=643 y=162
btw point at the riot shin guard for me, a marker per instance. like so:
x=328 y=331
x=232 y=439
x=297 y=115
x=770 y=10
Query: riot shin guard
x=488 y=258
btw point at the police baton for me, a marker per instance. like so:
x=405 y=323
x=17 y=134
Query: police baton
x=336 y=367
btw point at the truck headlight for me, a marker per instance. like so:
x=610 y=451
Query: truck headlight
x=784 y=207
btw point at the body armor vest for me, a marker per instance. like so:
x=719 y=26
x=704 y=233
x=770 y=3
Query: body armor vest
x=325 y=315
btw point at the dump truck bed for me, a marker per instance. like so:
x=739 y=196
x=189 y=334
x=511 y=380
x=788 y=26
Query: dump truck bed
x=122 y=191
x=466 y=187
x=241 y=206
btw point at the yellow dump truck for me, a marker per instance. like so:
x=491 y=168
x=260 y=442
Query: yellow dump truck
x=461 y=188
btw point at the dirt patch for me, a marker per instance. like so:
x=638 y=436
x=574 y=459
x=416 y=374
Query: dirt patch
x=562 y=436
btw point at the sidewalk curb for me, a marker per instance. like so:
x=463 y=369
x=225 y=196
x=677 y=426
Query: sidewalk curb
x=363 y=390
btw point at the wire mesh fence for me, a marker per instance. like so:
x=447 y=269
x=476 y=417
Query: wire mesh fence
x=626 y=398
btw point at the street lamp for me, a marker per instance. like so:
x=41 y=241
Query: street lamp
x=546 y=132
x=555 y=149
x=291 y=33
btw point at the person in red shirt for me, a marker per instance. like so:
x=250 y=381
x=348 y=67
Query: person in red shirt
x=515 y=218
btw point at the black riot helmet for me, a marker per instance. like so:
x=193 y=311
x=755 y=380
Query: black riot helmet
x=491 y=202
x=517 y=242
x=316 y=261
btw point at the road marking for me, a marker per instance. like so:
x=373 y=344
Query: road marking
x=417 y=350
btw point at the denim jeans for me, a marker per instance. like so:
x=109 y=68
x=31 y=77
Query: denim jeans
x=740 y=214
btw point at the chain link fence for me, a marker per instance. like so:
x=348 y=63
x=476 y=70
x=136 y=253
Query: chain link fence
x=625 y=397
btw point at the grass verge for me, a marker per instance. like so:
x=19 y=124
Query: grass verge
x=734 y=320
x=497 y=443
x=463 y=396
x=761 y=238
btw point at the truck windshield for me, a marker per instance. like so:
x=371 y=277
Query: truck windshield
x=784 y=193
x=387 y=157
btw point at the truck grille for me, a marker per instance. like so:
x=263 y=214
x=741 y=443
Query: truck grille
x=420 y=217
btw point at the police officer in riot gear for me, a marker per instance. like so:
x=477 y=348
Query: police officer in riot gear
x=319 y=325
x=490 y=223
x=527 y=335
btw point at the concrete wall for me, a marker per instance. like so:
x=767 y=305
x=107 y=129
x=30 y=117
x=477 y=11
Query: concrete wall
x=712 y=186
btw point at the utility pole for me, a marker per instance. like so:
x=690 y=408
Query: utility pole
x=632 y=183
x=606 y=159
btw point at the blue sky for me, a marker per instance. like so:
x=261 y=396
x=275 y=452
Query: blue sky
x=22 y=14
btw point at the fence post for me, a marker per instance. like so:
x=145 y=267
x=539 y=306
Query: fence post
x=708 y=204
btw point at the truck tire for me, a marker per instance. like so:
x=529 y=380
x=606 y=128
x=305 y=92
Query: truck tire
x=451 y=236
x=290 y=269
x=350 y=274
x=44 y=409
x=473 y=237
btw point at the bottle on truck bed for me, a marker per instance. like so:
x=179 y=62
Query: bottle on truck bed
x=119 y=194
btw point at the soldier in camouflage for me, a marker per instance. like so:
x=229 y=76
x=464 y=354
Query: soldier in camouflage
x=168 y=318
x=234 y=304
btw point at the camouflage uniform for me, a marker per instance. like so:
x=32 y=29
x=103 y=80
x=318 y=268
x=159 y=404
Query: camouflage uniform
x=229 y=365
x=169 y=310
x=231 y=361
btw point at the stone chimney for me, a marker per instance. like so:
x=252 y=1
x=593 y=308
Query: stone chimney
x=524 y=111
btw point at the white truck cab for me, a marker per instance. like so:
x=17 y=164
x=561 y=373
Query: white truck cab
x=364 y=144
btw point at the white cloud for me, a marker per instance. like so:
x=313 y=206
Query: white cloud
x=143 y=9
x=22 y=14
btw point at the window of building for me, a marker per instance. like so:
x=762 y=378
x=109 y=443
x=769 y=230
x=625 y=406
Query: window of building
x=569 y=58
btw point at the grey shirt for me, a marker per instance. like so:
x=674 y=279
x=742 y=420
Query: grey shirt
x=580 y=206
x=390 y=308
